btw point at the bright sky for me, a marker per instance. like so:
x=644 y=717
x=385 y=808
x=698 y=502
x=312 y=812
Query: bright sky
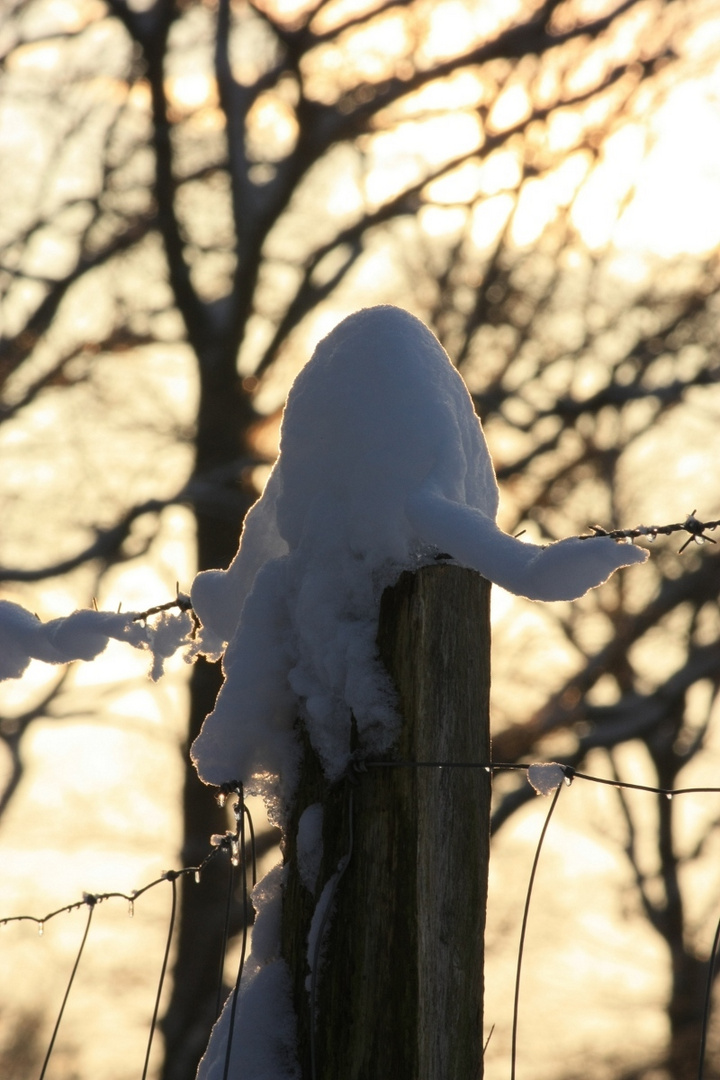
x=638 y=172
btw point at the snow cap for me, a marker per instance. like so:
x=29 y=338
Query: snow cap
x=382 y=463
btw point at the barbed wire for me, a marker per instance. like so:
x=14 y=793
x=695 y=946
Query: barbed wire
x=692 y=525
x=234 y=844
x=182 y=602
x=92 y=899
x=546 y=778
x=697 y=531
x=231 y=841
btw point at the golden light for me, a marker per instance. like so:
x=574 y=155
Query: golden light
x=366 y=54
x=140 y=95
x=452 y=27
x=288 y=11
x=400 y=157
x=702 y=40
x=39 y=57
x=541 y=198
x=461 y=90
x=534 y=211
x=511 y=108
x=69 y=16
x=272 y=128
x=449 y=24
x=596 y=209
x=442 y=221
x=563 y=130
x=460 y=185
x=334 y=14
x=191 y=91
x=501 y=171
x=634 y=175
x=489 y=219
x=673 y=210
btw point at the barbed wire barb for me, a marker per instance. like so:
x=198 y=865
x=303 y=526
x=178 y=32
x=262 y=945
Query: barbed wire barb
x=697 y=529
x=91 y=902
x=171 y=876
x=221 y=842
x=546 y=778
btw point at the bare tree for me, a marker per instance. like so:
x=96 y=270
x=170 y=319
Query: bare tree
x=241 y=177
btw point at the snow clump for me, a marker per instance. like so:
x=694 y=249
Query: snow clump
x=383 y=465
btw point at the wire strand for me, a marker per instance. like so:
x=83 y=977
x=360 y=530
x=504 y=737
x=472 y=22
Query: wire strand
x=171 y=876
x=240 y=816
x=523 y=931
x=91 y=902
x=236 y=845
x=225 y=938
x=708 y=1001
x=489 y=766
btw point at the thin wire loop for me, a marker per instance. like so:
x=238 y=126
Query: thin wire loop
x=171 y=876
x=708 y=1000
x=225 y=937
x=240 y=839
x=91 y=902
x=253 y=858
x=245 y=905
x=523 y=930
x=489 y=766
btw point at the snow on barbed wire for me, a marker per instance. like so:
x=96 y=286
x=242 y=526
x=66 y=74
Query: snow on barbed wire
x=383 y=466
x=696 y=529
x=83 y=635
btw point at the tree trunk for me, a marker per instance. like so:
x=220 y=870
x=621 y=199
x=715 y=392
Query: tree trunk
x=224 y=418
x=400 y=987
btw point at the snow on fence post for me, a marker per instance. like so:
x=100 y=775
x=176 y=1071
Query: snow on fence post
x=399 y=988
x=382 y=463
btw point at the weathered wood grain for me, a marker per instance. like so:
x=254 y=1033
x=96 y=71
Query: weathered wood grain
x=400 y=990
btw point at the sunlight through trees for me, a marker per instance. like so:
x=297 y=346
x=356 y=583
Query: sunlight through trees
x=194 y=192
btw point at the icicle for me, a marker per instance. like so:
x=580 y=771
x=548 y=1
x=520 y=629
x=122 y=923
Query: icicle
x=131 y=908
x=235 y=852
x=668 y=796
x=221 y=798
x=41 y=928
x=197 y=877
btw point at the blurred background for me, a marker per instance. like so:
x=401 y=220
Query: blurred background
x=193 y=192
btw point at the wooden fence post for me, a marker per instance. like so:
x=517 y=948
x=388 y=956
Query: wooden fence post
x=399 y=991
